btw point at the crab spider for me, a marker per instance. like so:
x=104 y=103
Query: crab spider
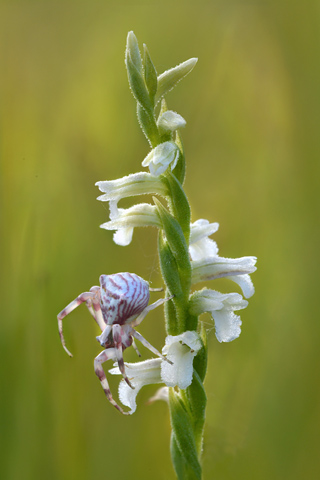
x=118 y=305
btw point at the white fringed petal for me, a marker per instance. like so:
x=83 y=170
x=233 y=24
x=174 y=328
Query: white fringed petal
x=222 y=307
x=140 y=183
x=245 y=283
x=125 y=219
x=140 y=374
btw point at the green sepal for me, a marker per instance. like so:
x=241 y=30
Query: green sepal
x=148 y=126
x=150 y=74
x=179 y=203
x=169 y=79
x=184 y=438
x=180 y=169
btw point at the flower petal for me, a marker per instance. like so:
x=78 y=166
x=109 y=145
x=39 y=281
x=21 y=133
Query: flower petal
x=181 y=350
x=245 y=283
x=161 y=394
x=140 y=374
x=134 y=184
x=221 y=306
x=211 y=268
x=227 y=325
x=170 y=121
x=125 y=219
x=200 y=245
x=161 y=157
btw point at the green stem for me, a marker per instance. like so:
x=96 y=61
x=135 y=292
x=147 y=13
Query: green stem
x=187 y=407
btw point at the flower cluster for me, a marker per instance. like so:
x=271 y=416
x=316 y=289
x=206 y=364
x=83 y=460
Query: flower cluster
x=188 y=255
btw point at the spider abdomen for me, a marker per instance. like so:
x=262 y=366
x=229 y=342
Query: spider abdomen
x=123 y=295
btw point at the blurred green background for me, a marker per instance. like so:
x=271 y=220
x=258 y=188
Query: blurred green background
x=252 y=144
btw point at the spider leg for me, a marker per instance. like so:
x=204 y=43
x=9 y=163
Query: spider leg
x=156 y=289
x=96 y=310
x=84 y=297
x=102 y=339
x=135 y=347
x=108 y=354
x=143 y=314
x=148 y=345
x=117 y=338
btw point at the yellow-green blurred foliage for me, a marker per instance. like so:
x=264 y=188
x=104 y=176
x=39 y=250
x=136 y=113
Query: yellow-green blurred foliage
x=252 y=145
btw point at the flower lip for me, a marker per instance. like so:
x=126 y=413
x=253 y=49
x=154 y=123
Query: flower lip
x=140 y=374
x=181 y=350
x=123 y=220
x=221 y=306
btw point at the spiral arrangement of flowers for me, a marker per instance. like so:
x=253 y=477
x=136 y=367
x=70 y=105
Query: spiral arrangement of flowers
x=187 y=256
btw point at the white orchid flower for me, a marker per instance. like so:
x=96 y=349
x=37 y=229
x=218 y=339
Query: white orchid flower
x=179 y=349
x=222 y=307
x=170 y=121
x=207 y=265
x=159 y=159
x=134 y=184
x=125 y=219
x=237 y=269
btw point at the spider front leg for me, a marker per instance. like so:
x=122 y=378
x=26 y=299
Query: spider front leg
x=148 y=345
x=92 y=302
x=145 y=312
x=139 y=319
x=108 y=354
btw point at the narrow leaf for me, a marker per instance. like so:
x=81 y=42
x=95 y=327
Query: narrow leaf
x=174 y=236
x=150 y=74
x=197 y=400
x=148 y=125
x=182 y=428
x=179 y=203
x=137 y=85
x=169 y=79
